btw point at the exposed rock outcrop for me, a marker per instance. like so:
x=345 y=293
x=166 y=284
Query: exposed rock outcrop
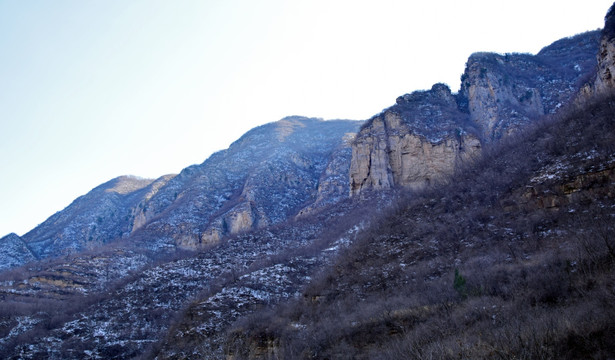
x=333 y=183
x=506 y=92
x=428 y=133
x=142 y=213
x=498 y=105
x=266 y=177
x=242 y=217
x=413 y=143
x=604 y=79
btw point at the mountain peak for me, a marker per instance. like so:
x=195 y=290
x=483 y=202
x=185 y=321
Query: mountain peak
x=126 y=184
x=288 y=125
x=14 y=251
x=438 y=93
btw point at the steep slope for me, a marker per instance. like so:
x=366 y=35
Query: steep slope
x=14 y=252
x=266 y=177
x=429 y=133
x=417 y=141
x=513 y=258
x=604 y=79
x=93 y=300
x=333 y=183
x=482 y=266
x=507 y=92
x=210 y=289
x=104 y=214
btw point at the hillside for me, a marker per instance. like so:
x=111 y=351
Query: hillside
x=485 y=266
x=103 y=215
x=268 y=176
x=481 y=263
x=14 y=252
x=475 y=224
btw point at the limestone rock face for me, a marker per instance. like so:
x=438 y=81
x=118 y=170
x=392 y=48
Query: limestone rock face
x=604 y=79
x=606 y=57
x=242 y=217
x=496 y=106
x=426 y=134
x=333 y=182
x=141 y=213
x=506 y=92
x=413 y=143
x=370 y=164
x=266 y=177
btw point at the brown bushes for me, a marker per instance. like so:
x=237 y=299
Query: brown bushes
x=536 y=279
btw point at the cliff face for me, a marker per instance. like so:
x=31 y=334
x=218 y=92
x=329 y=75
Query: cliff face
x=497 y=103
x=428 y=133
x=333 y=182
x=606 y=67
x=413 y=143
x=506 y=92
x=604 y=79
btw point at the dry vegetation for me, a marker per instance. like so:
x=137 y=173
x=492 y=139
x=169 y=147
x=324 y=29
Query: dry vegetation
x=513 y=258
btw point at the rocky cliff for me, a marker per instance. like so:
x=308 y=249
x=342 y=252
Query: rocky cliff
x=333 y=183
x=428 y=133
x=519 y=226
x=506 y=92
x=420 y=139
x=298 y=165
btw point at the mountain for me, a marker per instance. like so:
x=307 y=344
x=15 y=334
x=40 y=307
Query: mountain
x=513 y=257
x=468 y=225
x=14 y=252
x=104 y=214
x=416 y=141
x=293 y=168
x=509 y=257
x=506 y=92
x=427 y=134
x=268 y=176
x=603 y=80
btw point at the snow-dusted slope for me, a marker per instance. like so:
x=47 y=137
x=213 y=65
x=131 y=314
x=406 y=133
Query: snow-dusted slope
x=14 y=252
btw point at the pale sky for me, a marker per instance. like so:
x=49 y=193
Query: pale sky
x=90 y=89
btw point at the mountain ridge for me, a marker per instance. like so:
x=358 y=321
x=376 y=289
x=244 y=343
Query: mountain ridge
x=223 y=195
x=286 y=261
x=428 y=133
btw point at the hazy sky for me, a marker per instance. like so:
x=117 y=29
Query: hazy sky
x=90 y=90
